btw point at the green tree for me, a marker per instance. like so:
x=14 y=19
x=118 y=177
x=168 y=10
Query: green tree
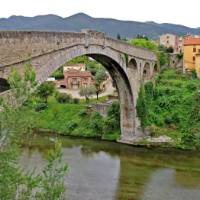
x=45 y=90
x=142 y=109
x=99 y=78
x=87 y=91
x=14 y=183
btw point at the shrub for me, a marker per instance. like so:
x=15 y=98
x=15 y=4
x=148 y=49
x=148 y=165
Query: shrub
x=191 y=87
x=63 y=98
x=40 y=106
x=83 y=113
x=96 y=123
x=71 y=125
x=194 y=74
x=114 y=110
x=76 y=100
x=142 y=107
x=168 y=120
x=110 y=124
x=149 y=90
x=176 y=117
x=188 y=140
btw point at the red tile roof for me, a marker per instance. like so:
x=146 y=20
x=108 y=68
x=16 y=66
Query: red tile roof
x=191 y=41
x=77 y=73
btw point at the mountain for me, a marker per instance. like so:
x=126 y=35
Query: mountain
x=79 y=21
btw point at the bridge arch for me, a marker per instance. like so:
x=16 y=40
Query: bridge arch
x=49 y=50
x=4 y=85
x=115 y=66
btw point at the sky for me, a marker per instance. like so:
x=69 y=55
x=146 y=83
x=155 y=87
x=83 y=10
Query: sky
x=161 y=11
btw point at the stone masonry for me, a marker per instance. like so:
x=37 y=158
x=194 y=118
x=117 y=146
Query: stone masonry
x=128 y=65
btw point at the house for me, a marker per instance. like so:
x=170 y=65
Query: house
x=191 y=55
x=171 y=40
x=75 y=77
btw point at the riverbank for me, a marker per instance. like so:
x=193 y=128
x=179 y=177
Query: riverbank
x=168 y=108
x=71 y=120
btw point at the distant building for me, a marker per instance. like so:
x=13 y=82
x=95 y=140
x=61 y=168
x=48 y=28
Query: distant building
x=171 y=40
x=51 y=79
x=191 y=56
x=180 y=45
x=79 y=67
x=75 y=77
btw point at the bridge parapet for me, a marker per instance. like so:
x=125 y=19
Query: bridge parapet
x=18 y=46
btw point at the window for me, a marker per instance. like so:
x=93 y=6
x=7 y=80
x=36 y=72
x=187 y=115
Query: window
x=198 y=50
x=194 y=49
x=193 y=58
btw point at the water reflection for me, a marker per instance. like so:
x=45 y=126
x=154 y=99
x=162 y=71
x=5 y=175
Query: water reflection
x=109 y=171
x=163 y=185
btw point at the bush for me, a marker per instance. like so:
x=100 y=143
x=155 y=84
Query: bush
x=110 y=124
x=176 y=117
x=188 y=140
x=142 y=107
x=149 y=90
x=191 y=87
x=63 y=98
x=83 y=113
x=194 y=74
x=168 y=120
x=114 y=110
x=76 y=100
x=71 y=125
x=96 y=123
x=40 y=106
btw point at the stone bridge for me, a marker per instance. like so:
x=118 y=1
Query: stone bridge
x=128 y=65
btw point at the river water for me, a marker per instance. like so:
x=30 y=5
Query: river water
x=109 y=171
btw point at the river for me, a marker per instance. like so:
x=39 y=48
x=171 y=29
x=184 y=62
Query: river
x=102 y=170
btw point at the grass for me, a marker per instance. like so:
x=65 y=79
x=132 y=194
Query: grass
x=68 y=119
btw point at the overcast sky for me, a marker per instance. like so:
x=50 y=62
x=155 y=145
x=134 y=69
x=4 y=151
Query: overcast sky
x=171 y=11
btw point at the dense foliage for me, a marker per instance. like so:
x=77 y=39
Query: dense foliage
x=161 y=51
x=76 y=119
x=170 y=105
x=45 y=90
x=15 y=184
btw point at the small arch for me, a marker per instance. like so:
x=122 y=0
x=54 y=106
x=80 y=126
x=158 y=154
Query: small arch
x=133 y=65
x=4 y=85
x=146 y=72
x=155 y=69
x=132 y=70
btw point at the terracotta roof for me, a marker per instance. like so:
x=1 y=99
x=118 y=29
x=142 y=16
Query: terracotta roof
x=77 y=73
x=191 y=41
